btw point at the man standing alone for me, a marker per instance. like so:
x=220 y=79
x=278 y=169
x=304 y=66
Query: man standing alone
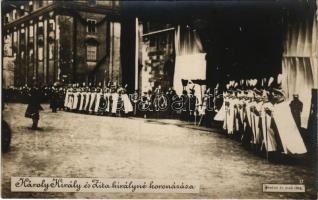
x=34 y=107
x=296 y=107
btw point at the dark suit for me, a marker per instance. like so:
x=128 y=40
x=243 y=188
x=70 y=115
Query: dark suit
x=34 y=107
x=296 y=108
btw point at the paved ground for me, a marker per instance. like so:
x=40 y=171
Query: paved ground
x=75 y=145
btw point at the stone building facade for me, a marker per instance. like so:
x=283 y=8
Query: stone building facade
x=51 y=41
x=157 y=55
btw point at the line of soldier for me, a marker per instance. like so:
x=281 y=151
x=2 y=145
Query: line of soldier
x=110 y=100
x=256 y=112
x=20 y=94
x=114 y=100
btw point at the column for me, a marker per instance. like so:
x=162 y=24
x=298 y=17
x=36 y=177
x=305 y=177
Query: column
x=136 y=52
x=26 y=52
x=111 y=35
x=35 y=52
x=57 y=69
x=45 y=51
x=18 y=60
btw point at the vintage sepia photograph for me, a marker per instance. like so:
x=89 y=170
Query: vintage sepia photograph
x=207 y=99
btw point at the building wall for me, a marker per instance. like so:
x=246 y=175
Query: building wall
x=115 y=69
x=157 y=57
x=65 y=48
x=53 y=47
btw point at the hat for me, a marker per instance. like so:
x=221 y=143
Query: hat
x=295 y=95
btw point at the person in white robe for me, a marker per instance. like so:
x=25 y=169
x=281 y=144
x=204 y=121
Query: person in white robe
x=128 y=108
x=76 y=98
x=98 y=98
x=230 y=121
x=87 y=100
x=83 y=98
x=70 y=99
x=269 y=137
x=67 y=95
x=92 y=101
x=289 y=134
x=220 y=115
x=114 y=97
x=108 y=100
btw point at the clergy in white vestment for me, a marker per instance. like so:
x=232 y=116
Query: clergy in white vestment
x=92 y=100
x=269 y=134
x=288 y=131
x=220 y=115
x=127 y=103
x=83 y=98
x=70 y=99
x=68 y=91
x=76 y=99
x=98 y=97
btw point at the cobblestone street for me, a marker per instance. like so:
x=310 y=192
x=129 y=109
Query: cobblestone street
x=77 y=145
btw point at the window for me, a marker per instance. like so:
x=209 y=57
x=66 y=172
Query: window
x=40 y=53
x=40 y=3
x=21 y=10
x=92 y=2
x=91 y=52
x=40 y=28
x=51 y=25
x=14 y=14
x=91 y=26
x=30 y=6
x=51 y=51
x=6 y=19
x=31 y=33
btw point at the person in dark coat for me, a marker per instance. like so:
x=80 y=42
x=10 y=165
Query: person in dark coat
x=296 y=107
x=34 y=107
x=185 y=105
x=54 y=99
x=193 y=100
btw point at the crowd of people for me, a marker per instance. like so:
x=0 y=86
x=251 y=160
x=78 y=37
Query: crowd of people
x=253 y=111
x=262 y=118
x=113 y=100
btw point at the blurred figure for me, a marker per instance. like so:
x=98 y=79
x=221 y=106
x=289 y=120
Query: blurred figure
x=54 y=99
x=185 y=105
x=296 y=107
x=34 y=107
x=5 y=137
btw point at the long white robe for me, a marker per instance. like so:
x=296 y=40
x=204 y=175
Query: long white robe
x=75 y=101
x=93 y=100
x=88 y=94
x=83 y=94
x=127 y=103
x=268 y=133
x=66 y=98
x=226 y=110
x=108 y=95
x=289 y=134
x=98 y=96
x=254 y=120
x=220 y=115
x=115 y=101
x=257 y=118
x=70 y=100
x=230 y=118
